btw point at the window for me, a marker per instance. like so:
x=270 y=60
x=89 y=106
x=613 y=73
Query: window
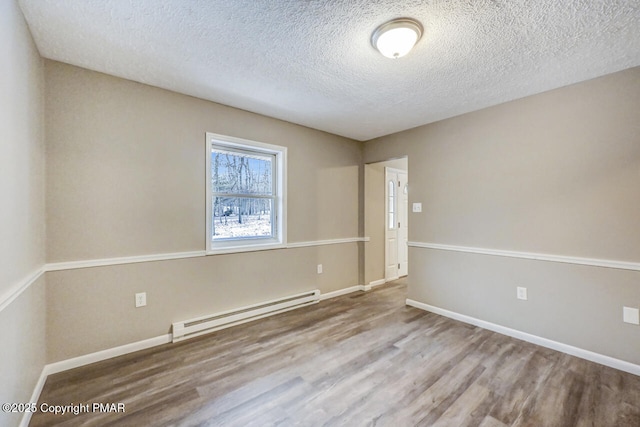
x=391 y=204
x=246 y=207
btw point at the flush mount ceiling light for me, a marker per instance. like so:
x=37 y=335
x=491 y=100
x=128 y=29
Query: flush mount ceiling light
x=394 y=39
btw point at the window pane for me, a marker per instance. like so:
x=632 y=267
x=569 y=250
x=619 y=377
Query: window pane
x=391 y=204
x=241 y=172
x=242 y=217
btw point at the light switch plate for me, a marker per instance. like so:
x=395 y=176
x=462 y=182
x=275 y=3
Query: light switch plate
x=417 y=207
x=631 y=315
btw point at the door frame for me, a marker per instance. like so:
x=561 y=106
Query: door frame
x=375 y=217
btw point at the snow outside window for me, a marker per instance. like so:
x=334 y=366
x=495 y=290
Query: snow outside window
x=245 y=194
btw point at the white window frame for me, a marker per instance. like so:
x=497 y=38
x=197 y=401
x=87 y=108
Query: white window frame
x=279 y=240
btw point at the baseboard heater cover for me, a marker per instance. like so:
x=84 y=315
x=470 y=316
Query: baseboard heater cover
x=214 y=322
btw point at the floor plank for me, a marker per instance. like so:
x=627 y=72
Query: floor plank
x=363 y=359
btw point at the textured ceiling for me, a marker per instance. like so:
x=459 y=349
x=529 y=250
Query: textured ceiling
x=311 y=62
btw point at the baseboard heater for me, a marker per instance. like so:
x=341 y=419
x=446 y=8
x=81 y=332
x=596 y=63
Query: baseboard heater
x=214 y=322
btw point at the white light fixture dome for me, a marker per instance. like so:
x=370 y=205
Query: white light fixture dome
x=394 y=39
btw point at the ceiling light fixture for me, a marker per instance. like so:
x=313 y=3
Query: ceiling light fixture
x=394 y=39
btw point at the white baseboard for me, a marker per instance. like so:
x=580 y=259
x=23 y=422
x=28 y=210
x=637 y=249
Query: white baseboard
x=76 y=362
x=340 y=292
x=26 y=417
x=377 y=282
x=65 y=365
x=98 y=356
x=534 y=339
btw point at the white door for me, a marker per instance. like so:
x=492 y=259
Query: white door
x=396 y=227
x=391 y=226
x=403 y=225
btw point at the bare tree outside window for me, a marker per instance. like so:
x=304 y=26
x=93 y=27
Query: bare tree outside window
x=243 y=194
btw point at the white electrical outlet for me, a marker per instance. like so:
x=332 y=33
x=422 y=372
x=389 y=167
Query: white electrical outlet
x=417 y=207
x=141 y=299
x=521 y=293
x=631 y=315
x=319 y=268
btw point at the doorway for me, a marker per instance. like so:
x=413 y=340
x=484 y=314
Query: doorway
x=386 y=221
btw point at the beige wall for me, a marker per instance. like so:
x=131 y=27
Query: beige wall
x=374 y=216
x=125 y=168
x=125 y=176
x=556 y=173
x=92 y=309
x=22 y=322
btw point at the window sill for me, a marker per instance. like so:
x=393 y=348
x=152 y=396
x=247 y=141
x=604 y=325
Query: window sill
x=245 y=248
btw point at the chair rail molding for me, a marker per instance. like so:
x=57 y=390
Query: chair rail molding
x=595 y=262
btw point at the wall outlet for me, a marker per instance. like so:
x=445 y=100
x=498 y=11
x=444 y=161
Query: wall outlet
x=417 y=207
x=319 y=268
x=631 y=315
x=521 y=293
x=141 y=299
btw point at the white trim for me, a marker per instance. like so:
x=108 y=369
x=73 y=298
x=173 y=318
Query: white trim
x=534 y=339
x=98 y=356
x=71 y=265
x=76 y=362
x=395 y=170
x=26 y=417
x=621 y=265
x=327 y=242
x=279 y=180
x=246 y=248
x=17 y=290
x=341 y=292
x=22 y=286
x=241 y=245
x=378 y=282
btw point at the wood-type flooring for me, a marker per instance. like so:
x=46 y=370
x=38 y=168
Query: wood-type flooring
x=363 y=359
